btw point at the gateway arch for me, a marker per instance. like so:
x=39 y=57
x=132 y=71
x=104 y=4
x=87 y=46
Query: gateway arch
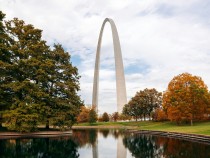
x=119 y=69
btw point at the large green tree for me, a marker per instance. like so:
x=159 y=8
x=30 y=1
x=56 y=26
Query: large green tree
x=28 y=52
x=143 y=103
x=62 y=104
x=151 y=99
x=43 y=82
x=5 y=64
x=186 y=99
x=132 y=109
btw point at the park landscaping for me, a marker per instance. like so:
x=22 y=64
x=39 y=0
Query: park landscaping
x=39 y=85
x=202 y=128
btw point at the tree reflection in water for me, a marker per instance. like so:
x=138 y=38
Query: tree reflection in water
x=105 y=133
x=62 y=147
x=142 y=146
x=85 y=137
x=89 y=136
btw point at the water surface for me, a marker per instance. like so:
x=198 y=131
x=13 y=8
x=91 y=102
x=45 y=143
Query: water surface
x=95 y=143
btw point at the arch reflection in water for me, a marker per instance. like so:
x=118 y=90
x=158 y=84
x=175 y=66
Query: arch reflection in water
x=95 y=149
x=104 y=144
x=120 y=149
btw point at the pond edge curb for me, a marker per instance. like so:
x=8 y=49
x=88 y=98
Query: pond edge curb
x=184 y=136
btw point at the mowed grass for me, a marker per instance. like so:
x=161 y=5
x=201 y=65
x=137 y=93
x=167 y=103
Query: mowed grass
x=110 y=124
x=198 y=128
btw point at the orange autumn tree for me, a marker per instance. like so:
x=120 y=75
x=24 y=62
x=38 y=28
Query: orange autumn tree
x=159 y=115
x=84 y=114
x=186 y=99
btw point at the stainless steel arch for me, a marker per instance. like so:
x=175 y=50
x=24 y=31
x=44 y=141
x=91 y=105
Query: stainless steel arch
x=120 y=78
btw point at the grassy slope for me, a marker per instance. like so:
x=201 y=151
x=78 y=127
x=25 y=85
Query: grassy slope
x=198 y=128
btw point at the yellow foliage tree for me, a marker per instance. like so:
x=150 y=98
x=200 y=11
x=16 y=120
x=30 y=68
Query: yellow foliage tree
x=84 y=114
x=186 y=99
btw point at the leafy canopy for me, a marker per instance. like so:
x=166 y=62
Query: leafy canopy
x=37 y=83
x=143 y=103
x=186 y=99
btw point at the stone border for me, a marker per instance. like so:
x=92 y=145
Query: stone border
x=183 y=136
x=44 y=134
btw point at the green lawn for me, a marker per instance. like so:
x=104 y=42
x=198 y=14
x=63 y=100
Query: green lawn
x=197 y=128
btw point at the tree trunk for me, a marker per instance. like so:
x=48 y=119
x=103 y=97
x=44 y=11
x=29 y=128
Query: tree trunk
x=191 y=122
x=47 y=124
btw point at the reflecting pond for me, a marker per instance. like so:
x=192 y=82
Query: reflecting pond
x=102 y=144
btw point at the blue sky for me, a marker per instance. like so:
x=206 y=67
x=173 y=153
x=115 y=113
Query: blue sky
x=159 y=38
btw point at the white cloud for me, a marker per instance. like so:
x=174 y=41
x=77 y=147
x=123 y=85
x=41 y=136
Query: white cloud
x=160 y=38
